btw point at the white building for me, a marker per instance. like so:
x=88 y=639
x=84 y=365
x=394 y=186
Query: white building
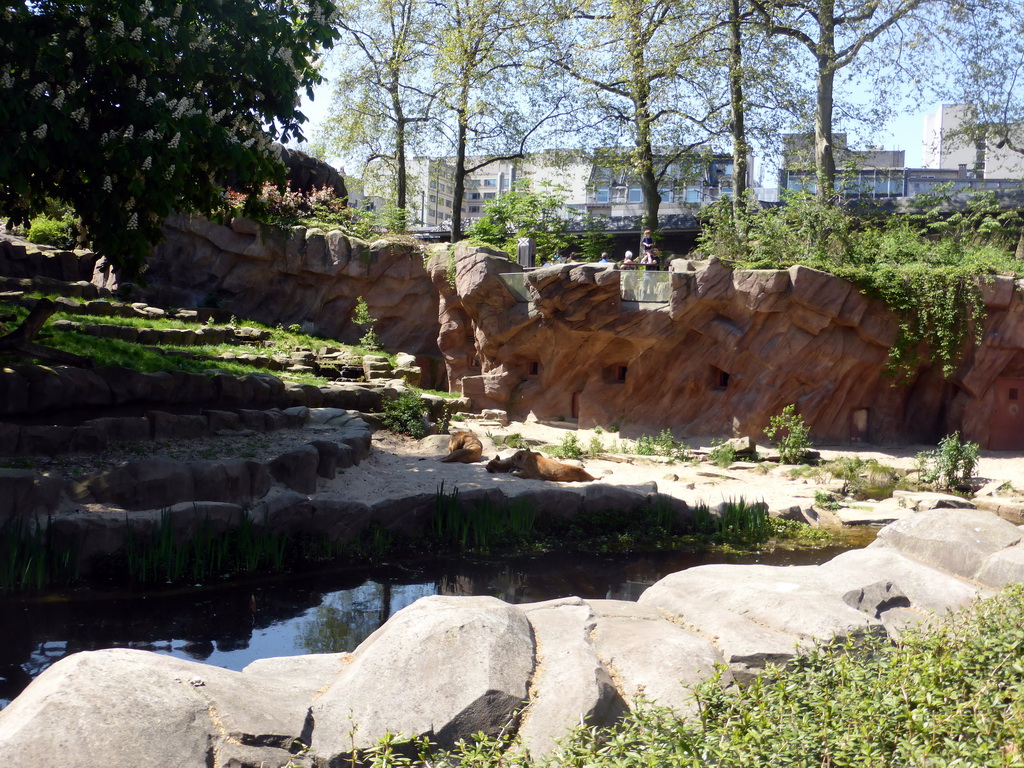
x=947 y=149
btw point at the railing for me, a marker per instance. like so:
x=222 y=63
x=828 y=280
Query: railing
x=645 y=287
x=634 y=285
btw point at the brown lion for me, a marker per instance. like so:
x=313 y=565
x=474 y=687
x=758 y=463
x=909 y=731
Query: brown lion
x=498 y=464
x=464 y=447
x=534 y=466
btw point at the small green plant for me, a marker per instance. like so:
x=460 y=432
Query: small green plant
x=825 y=500
x=515 y=440
x=362 y=317
x=951 y=465
x=722 y=453
x=790 y=435
x=596 y=446
x=645 y=446
x=569 y=448
x=406 y=415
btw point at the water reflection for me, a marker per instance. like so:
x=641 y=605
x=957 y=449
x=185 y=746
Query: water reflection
x=324 y=612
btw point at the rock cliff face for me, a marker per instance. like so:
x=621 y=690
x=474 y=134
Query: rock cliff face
x=299 y=276
x=708 y=350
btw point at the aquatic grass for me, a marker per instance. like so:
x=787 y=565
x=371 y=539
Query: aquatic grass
x=480 y=525
x=243 y=548
x=32 y=559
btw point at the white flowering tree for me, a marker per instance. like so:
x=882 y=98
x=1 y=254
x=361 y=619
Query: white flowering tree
x=131 y=109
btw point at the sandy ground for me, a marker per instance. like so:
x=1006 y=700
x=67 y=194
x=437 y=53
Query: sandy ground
x=400 y=466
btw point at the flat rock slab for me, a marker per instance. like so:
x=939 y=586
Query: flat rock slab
x=445 y=667
x=571 y=685
x=954 y=540
x=651 y=658
x=882 y=513
x=757 y=614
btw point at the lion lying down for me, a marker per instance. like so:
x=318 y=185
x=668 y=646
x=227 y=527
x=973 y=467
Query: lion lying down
x=534 y=466
x=464 y=447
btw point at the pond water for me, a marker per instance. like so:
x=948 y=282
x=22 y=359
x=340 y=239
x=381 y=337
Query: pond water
x=326 y=611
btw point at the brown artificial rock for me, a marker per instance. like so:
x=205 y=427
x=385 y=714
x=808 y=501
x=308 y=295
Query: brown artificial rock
x=297 y=469
x=225 y=481
x=27 y=494
x=173 y=426
x=727 y=351
x=142 y=484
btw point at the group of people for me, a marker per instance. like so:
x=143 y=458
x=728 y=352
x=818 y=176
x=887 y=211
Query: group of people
x=650 y=257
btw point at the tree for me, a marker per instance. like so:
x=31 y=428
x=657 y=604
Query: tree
x=129 y=110
x=643 y=70
x=834 y=33
x=378 y=96
x=495 y=110
x=983 y=46
x=526 y=212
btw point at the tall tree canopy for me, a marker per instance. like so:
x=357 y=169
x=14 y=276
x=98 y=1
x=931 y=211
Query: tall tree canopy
x=647 y=73
x=129 y=109
x=381 y=94
x=836 y=35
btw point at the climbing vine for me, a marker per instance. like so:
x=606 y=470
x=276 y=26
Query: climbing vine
x=929 y=273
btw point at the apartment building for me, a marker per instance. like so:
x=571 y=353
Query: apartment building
x=601 y=188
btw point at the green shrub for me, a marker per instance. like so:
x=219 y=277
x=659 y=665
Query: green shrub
x=645 y=446
x=722 y=453
x=825 y=500
x=59 y=233
x=951 y=465
x=790 y=435
x=406 y=415
x=569 y=448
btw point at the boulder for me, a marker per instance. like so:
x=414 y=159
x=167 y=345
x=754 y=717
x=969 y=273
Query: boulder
x=445 y=667
x=142 y=484
x=757 y=614
x=123 y=708
x=297 y=468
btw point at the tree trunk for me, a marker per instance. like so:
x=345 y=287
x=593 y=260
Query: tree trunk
x=740 y=149
x=401 y=190
x=20 y=340
x=824 y=150
x=644 y=152
x=459 y=190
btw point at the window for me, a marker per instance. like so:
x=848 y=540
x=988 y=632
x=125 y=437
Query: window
x=636 y=195
x=432 y=198
x=693 y=194
x=490 y=182
x=474 y=195
x=474 y=209
x=488 y=195
x=601 y=195
x=719 y=379
x=666 y=195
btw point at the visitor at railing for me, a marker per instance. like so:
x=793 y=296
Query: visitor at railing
x=628 y=262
